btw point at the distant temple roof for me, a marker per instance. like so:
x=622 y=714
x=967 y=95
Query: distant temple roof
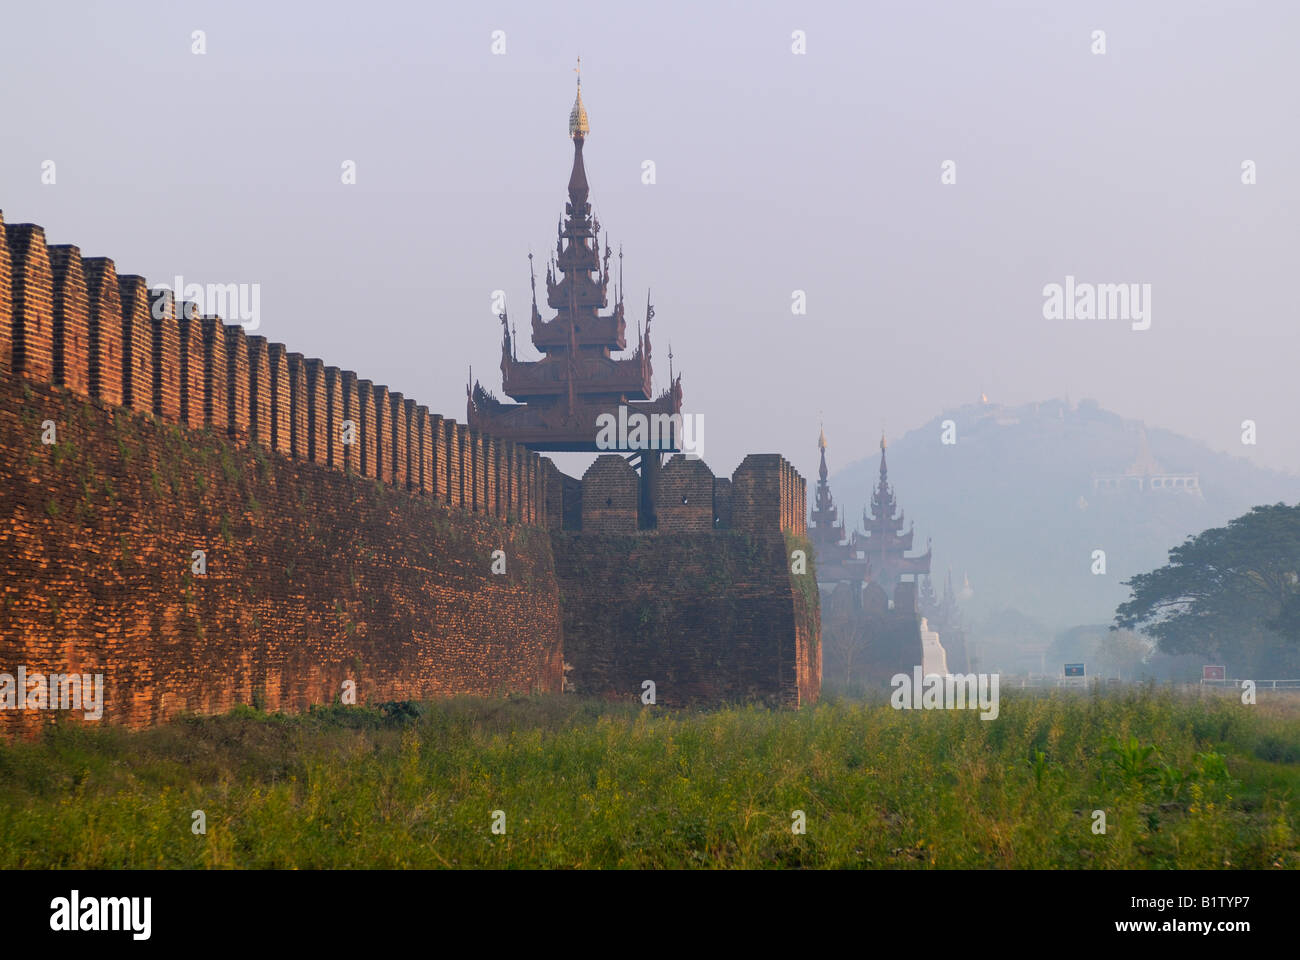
x=1145 y=465
x=1145 y=474
x=578 y=379
x=880 y=554
x=837 y=560
x=884 y=543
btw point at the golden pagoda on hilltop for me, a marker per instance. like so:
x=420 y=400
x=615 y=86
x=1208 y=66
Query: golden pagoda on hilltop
x=560 y=396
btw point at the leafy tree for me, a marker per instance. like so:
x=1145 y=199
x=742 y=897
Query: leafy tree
x=1229 y=592
x=1122 y=653
x=1077 y=643
x=1287 y=621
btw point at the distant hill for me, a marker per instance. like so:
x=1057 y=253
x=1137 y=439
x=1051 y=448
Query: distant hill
x=1011 y=504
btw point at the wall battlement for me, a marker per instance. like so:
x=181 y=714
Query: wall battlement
x=764 y=494
x=75 y=323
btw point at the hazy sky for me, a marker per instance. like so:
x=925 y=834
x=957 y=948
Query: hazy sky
x=775 y=172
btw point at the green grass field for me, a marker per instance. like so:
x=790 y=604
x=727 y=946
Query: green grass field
x=591 y=784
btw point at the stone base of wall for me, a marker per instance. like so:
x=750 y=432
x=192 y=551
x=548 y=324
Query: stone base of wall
x=708 y=617
x=867 y=646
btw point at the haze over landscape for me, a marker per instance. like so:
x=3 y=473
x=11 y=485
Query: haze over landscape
x=1011 y=506
x=775 y=172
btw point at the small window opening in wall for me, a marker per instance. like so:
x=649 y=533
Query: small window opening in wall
x=609 y=501
x=685 y=500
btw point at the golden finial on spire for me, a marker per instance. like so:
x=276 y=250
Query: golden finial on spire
x=821 y=432
x=578 y=115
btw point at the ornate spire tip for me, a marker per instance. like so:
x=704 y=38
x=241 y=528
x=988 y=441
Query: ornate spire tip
x=578 y=126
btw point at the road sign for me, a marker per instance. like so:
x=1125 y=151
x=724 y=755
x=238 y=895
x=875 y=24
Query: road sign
x=1209 y=672
x=1074 y=669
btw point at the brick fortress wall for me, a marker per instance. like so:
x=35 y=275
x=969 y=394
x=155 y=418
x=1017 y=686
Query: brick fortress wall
x=708 y=603
x=315 y=573
x=708 y=617
x=312 y=576
x=348 y=531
